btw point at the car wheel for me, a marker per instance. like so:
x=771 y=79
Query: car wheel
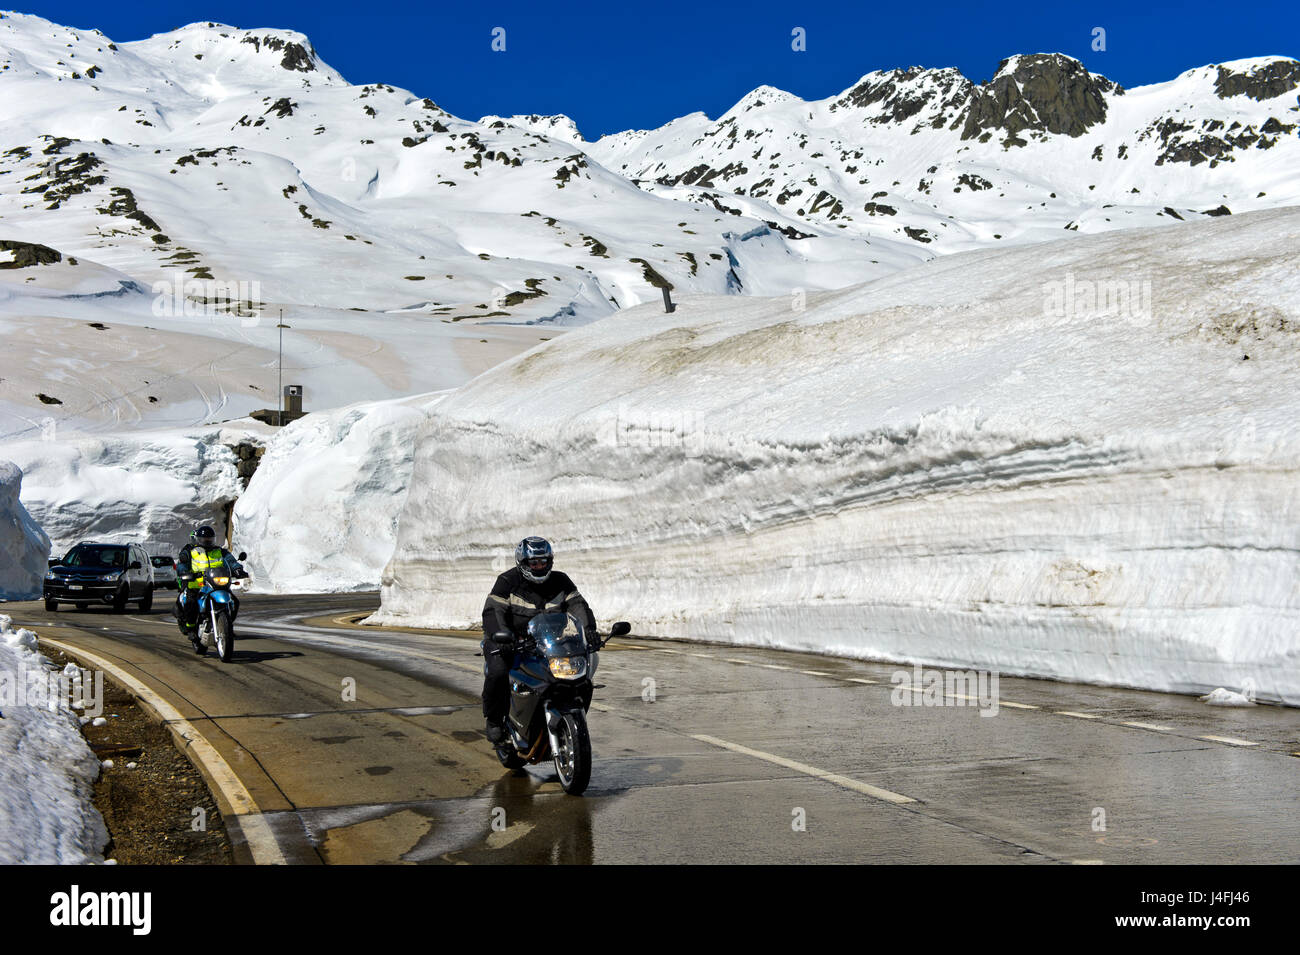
x=119 y=601
x=146 y=604
x=51 y=605
x=82 y=605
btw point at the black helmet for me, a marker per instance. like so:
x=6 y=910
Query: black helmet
x=534 y=559
x=204 y=537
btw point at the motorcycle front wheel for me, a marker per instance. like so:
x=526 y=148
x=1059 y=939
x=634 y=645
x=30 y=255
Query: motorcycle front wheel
x=225 y=636
x=573 y=758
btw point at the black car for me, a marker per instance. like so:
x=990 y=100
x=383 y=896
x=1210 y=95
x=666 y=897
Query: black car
x=164 y=574
x=114 y=574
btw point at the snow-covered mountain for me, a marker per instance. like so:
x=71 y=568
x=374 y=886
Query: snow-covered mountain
x=228 y=166
x=220 y=168
x=927 y=156
x=239 y=153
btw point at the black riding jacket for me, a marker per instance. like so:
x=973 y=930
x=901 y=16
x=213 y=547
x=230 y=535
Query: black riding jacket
x=515 y=600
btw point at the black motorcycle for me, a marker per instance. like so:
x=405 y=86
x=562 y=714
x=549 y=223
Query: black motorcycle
x=550 y=693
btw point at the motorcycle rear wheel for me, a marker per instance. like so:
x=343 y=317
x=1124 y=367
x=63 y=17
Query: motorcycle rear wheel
x=573 y=758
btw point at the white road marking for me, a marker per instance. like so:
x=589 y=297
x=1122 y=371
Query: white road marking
x=1089 y=862
x=706 y=656
x=815 y=672
x=844 y=781
x=858 y=679
x=1230 y=740
x=1017 y=706
x=261 y=840
x=1147 y=726
x=735 y=660
x=1078 y=716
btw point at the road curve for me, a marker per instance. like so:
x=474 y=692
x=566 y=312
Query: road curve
x=702 y=754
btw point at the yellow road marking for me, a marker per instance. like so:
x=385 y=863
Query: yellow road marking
x=257 y=832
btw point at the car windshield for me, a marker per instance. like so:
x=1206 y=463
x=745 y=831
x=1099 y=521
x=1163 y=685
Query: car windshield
x=160 y=561
x=557 y=635
x=91 y=555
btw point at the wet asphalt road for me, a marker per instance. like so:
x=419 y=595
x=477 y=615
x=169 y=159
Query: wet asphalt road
x=702 y=754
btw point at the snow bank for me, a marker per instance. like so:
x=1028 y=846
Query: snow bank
x=23 y=545
x=47 y=772
x=991 y=460
x=320 y=514
x=150 y=487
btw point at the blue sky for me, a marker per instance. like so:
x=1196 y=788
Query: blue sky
x=614 y=67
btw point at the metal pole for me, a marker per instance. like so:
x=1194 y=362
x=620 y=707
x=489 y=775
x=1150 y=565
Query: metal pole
x=279 y=415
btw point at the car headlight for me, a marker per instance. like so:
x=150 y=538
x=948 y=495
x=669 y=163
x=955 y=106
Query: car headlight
x=111 y=576
x=51 y=575
x=568 y=668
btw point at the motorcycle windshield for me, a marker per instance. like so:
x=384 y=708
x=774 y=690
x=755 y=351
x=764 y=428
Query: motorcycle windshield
x=557 y=635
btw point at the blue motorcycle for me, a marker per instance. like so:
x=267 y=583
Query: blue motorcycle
x=218 y=608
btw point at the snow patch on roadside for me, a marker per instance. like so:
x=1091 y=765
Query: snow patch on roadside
x=47 y=772
x=320 y=514
x=23 y=545
x=967 y=464
x=150 y=487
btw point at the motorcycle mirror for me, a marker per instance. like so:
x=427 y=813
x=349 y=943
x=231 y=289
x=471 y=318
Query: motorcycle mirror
x=620 y=629
x=242 y=556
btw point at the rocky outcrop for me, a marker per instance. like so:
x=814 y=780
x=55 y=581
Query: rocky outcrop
x=1045 y=93
x=27 y=253
x=297 y=58
x=1264 y=82
x=904 y=94
x=248 y=456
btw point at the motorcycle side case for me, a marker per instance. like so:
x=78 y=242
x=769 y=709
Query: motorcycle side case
x=528 y=682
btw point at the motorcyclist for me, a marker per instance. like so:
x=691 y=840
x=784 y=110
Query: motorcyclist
x=200 y=555
x=529 y=588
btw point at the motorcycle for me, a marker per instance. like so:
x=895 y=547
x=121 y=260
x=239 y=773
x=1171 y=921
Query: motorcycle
x=218 y=609
x=550 y=692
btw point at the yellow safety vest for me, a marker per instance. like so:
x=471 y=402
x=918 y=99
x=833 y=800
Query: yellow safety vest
x=201 y=561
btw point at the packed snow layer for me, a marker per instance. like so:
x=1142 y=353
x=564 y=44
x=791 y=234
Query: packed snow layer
x=23 y=545
x=47 y=772
x=1077 y=460
x=320 y=514
x=150 y=487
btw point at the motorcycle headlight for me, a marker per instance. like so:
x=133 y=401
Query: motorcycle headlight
x=220 y=581
x=111 y=576
x=568 y=668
